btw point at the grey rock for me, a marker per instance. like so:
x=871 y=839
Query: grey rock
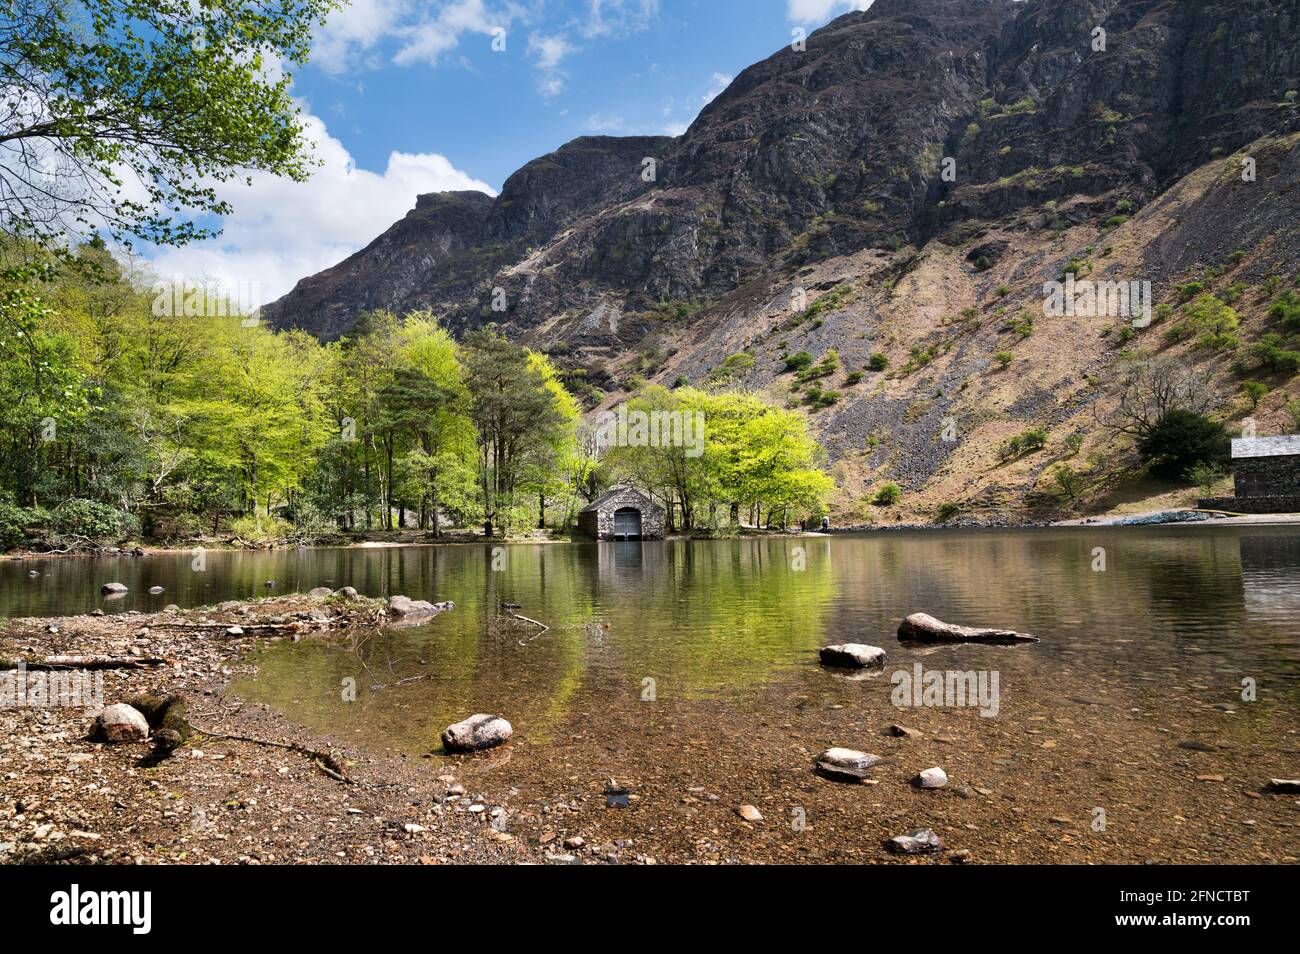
x=346 y=591
x=923 y=628
x=320 y=593
x=1288 y=786
x=113 y=588
x=155 y=590
x=845 y=765
x=235 y=631
x=921 y=841
x=853 y=656
x=405 y=607
x=121 y=723
x=479 y=731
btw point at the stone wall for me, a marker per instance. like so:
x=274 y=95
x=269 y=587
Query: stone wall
x=1266 y=476
x=599 y=524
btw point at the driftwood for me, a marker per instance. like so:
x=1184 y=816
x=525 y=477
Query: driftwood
x=525 y=619
x=324 y=761
x=299 y=626
x=83 y=662
x=922 y=628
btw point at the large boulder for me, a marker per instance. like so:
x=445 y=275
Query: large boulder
x=113 y=589
x=478 y=732
x=853 y=656
x=922 y=628
x=121 y=723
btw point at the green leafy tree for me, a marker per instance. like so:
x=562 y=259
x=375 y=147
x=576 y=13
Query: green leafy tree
x=125 y=114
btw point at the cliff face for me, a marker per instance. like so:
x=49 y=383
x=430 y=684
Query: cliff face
x=825 y=168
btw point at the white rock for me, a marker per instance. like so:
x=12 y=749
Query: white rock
x=113 y=588
x=235 y=631
x=121 y=723
x=479 y=731
x=932 y=778
x=749 y=813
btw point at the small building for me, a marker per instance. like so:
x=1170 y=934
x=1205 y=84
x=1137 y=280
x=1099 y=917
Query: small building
x=1265 y=474
x=622 y=513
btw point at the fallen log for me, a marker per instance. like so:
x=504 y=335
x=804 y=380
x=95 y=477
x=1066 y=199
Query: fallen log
x=923 y=628
x=45 y=663
x=324 y=761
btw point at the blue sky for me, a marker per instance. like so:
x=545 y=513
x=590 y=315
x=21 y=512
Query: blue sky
x=411 y=96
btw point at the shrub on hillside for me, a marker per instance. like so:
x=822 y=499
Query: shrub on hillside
x=1180 y=440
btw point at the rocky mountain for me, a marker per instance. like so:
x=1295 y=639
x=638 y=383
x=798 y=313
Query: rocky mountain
x=903 y=186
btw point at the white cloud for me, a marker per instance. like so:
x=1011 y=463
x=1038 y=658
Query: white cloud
x=819 y=11
x=617 y=17
x=720 y=82
x=282 y=230
x=425 y=41
x=353 y=30
x=547 y=53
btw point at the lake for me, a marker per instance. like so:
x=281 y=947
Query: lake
x=688 y=672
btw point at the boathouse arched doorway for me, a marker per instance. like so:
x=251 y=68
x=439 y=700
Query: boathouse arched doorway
x=627 y=523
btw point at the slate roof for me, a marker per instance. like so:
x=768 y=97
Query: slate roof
x=604 y=498
x=1283 y=445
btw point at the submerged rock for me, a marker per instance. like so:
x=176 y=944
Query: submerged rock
x=902 y=732
x=478 y=732
x=155 y=590
x=749 y=813
x=845 y=765
x=921 y=841
x=121 y=723
x=1287 y=786
x=853 y=656
x=405 y=607
x=932 y=778
x=923 y=628
x=113 y=588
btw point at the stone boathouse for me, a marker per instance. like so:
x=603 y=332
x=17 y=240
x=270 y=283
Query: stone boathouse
x=1266 y=476
x=622 y=513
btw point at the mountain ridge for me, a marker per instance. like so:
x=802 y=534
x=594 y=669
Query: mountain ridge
x=819 y=169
